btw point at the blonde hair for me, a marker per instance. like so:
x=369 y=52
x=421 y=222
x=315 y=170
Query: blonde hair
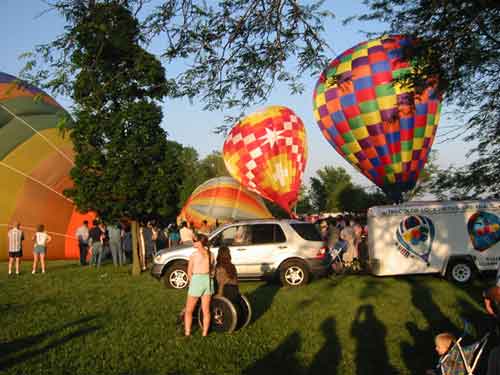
x=445 y=338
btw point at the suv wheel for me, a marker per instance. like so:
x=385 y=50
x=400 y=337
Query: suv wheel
x=460 y=271
x=176 y=276
x=294 y=273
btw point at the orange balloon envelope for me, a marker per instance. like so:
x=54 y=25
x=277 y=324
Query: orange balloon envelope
x=222 y=199
x=35 y=162
x=267 y=153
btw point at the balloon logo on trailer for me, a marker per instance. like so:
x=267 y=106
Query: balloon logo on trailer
x=484 y=230
x=415 y=236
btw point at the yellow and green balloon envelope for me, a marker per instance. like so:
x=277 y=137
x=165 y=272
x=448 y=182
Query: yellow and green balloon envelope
x=35 y=162
x=222 y=199
x=382 y=128
x=267 y=153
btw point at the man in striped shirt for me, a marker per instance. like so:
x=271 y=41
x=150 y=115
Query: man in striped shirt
x=16 y=237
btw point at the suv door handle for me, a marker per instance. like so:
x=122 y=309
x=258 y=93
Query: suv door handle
x=282 y=247
x=240 y=249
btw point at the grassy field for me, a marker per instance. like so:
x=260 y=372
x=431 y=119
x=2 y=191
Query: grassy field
x=76 y=320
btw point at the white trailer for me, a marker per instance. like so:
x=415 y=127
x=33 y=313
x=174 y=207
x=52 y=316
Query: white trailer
x=457 y=239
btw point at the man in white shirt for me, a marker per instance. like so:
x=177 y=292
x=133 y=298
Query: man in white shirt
x=186 y=234
x=82 y=234
x=16 y=237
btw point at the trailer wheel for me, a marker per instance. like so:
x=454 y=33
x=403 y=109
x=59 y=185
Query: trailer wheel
x=460 y=272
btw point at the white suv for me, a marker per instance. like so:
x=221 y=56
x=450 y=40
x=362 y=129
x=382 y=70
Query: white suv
x=260 y=249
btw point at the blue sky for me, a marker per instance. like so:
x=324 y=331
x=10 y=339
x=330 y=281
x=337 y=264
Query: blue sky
x=23 y=27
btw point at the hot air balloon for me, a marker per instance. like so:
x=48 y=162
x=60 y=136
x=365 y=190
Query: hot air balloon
x=222 y=199
x=382 y=128
x=267 y=153
x=34 y=169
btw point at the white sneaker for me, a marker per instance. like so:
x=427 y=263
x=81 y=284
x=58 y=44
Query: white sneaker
x=33 y=272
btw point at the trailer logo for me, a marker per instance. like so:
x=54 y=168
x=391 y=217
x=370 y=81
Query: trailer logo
x=484 y=230
x=415 y=236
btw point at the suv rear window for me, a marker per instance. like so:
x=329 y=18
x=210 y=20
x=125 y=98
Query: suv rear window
x=307 y=231
x=267 y=233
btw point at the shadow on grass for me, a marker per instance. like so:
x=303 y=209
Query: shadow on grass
x=261 y=299
x=372 y=288
x=336 y=280
x=282 y=358
x=371 y=352
x=18 y=350
x=328 y=358
x=417 y=355
x=15 y=307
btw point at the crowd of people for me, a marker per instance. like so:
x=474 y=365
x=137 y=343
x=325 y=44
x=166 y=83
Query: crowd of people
x=346 y=239
x=100 y=241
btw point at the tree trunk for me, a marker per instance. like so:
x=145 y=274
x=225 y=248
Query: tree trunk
x=136 y=266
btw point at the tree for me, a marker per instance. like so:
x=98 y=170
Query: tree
x=120 y=162
x=190 y=180
x=459 y=42
x=236 y=51
x=318 y=194
x=356 y=199
x=326 y=187
x=194 y=172
x=212 y=166
x=304 y=205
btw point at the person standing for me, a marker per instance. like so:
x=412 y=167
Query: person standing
x=41 y=239
x=201 y=285
x=115 y=244
x=127 y=242
x=173 y=235
x=147 y=243
x=205 y=228
x=96 y=241
x=16 y=237
x=105 y=239
x=82 y=235
x=186 y=234
x=351 y=254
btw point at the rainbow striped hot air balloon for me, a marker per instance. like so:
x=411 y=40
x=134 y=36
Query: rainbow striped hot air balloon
x=34 y=169
x=383 y=129
x=267 y=153
x=222 y=199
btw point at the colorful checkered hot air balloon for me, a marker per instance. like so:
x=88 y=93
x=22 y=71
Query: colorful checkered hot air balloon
x=222 y=199
x=382 y=128
x=267 y=153
x=34 y=169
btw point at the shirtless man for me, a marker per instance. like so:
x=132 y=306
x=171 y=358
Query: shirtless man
x=201 y=284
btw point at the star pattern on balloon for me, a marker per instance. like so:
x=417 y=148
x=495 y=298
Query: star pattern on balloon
x=272 y=136
x=267 y=152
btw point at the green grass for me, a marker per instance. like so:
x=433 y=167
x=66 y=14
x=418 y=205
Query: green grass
x=76 y=320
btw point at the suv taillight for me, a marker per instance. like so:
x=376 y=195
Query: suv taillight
x=321 y=253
